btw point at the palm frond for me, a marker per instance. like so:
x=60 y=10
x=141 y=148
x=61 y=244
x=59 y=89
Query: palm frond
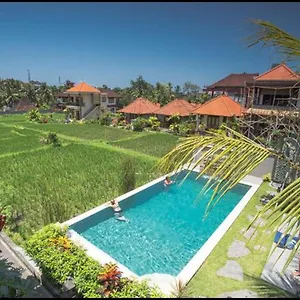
x=269 y=34
x=231 y=159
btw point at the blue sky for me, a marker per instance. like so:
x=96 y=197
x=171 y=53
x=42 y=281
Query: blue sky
x=112 y=43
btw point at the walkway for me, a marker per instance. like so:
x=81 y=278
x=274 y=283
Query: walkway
x=10 y=265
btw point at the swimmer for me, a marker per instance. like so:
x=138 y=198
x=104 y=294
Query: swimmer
x=168 y=181
x=117 y=210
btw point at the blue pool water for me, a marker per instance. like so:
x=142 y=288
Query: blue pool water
x=166 y=227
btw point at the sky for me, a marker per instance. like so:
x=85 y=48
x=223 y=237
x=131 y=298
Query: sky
x=113 y=43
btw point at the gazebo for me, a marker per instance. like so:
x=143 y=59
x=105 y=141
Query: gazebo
x=139 y=107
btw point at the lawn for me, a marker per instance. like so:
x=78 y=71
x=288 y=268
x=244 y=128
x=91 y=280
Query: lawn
x=207 y=283
x=155 y=144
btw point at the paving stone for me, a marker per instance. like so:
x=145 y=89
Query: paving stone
x=250 y=218
x=268 y=212
x=237 y=249
x=259 y=222
x=239 y=294
x=259 y=247
x=268 y=232
x=258 y=207
x=232 y=269
x=242 y=230
x=250 y=233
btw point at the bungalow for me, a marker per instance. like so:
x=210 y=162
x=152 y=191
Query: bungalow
x=86 y=101
x=217 y=111
x=178 y=106
x=139 y=107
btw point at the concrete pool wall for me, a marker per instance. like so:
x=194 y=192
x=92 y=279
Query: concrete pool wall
x=166 y=282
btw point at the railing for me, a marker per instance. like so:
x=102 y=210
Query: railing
x=90 y=110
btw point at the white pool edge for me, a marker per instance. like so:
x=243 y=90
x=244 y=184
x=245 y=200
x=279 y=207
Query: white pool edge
x=198 y=259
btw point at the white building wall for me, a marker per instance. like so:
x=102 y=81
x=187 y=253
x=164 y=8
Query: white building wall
x=87 y=102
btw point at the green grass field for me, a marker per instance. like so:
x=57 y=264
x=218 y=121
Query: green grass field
x=156 y=144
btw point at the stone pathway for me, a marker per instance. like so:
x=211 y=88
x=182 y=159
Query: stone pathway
x=237 y=249
x=232 y=269
x=259 y=247
x=251 y=233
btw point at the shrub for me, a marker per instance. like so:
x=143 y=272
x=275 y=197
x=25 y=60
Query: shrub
x=128 y=178
x=34 y=115
x=154 y=123
x=174 y=128
x=59 y=259
x=138 y=124
x=51 y=139
x=267 y=177
x=106 y=118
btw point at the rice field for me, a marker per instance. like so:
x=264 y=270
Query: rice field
x=155 y=144
x=86 y=131
x=56 y=184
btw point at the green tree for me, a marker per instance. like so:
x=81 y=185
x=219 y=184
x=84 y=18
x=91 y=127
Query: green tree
x=231 y=157
x=191 y=91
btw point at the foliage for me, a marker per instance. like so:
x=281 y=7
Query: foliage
x=180 y=289
x=202 y=127
x=154 y=123
x=174 y=119
x=270 y=35
x=110 y=279
x=267 y=177
x=106 y=118
x=91 y=279
x=34 y=115
x=138 y=124
x=136 y=289
x=51 y=139
x=128 y=178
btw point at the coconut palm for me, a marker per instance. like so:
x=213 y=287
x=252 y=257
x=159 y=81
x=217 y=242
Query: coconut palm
x=228 y=158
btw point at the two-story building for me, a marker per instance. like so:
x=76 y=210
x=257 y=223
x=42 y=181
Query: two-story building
x=232 y=85
x=112 y=99
x=85 y=101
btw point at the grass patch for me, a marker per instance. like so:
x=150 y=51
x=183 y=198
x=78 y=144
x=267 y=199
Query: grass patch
x=86 y=131
x=19 y=143
x=207 y=283
x=56 y=184
x=155 y=144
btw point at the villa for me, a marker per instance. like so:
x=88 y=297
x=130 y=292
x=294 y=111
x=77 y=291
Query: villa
x=139 y=107
x=88 y=102
x=217 y=111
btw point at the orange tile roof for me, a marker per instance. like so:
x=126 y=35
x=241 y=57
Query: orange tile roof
x=177 y=106
x=220 y=106
x=82 y=87
x=140 y=106
x=280 y=72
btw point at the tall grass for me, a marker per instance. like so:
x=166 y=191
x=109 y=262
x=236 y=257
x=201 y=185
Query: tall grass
x=155 y=144
x=127 y=176
x=58 y=183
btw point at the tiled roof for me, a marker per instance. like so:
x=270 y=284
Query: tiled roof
x=280 y=72
x=82 y=87
x=110 y=93
x=220 y=106
x=233 y=80
x=177 y=106
x=140 y=106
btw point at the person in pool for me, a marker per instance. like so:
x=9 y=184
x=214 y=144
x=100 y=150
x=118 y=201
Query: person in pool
x=168 y=181
x=117 y=210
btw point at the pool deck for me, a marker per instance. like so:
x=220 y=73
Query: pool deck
x=166 y=282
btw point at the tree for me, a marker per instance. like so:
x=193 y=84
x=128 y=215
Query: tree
x=232 y=156
x=191 y=91
x=141 y=88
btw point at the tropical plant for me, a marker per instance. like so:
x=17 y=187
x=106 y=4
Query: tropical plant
x=267 y=177
x=34 y=115
x=50 y=139
x=154 y=123
x=138 y=124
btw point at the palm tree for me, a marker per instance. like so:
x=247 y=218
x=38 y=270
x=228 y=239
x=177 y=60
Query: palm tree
x=241 y=154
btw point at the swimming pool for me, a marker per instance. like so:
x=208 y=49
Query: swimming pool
x=166 y=228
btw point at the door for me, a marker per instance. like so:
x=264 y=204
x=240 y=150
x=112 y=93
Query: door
x=212 y=122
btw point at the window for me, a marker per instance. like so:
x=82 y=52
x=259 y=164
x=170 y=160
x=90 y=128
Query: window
x=103 y=98
x=111 y=100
